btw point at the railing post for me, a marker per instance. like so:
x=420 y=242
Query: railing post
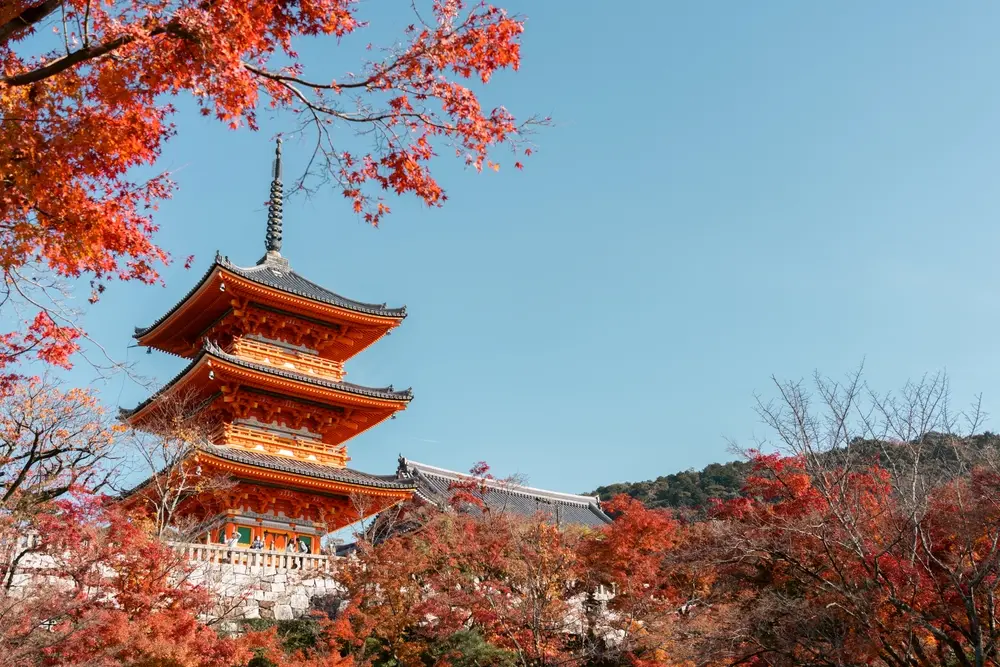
x=279 y=560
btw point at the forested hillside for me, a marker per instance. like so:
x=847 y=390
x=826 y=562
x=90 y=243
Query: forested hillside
x=693 y=488
x=690 y=488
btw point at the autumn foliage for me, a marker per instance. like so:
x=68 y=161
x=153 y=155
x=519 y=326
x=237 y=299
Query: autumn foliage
x=850 y=554
x=87 y=102
x=142 y=612
x=793 y=573
x=844 y=550
x=86 y=105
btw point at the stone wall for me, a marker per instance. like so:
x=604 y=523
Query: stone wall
x=263 y=592
x=243 y=591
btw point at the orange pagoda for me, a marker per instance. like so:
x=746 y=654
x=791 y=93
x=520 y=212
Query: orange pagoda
x=267 y=349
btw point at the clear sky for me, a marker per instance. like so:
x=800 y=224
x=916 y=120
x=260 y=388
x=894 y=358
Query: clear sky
x=732 y=190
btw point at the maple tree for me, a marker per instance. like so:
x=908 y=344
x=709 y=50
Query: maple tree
x=507 y=581
x=51 y=442
x=83 y=108
x=846 y=550
x=843 y=549
x=84 y=581
x=644 y=557
x=463 y=584
x=117 y=596
x=164 y=449
x=855 y=577
x=471 y=583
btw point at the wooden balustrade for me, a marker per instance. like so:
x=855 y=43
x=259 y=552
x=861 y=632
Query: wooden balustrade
x=279 y=357
x=279 y=560
x=252 y=438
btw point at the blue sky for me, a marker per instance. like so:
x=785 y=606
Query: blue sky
x=731 y=191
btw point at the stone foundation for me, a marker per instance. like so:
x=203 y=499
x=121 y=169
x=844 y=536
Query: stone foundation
x=242 y=591
x=249 y=592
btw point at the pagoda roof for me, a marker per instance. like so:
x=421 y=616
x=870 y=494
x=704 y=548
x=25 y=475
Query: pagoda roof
x=214 y=351
x=385 y=393
x=306 y=468
x=435 y=485
x=274 y=271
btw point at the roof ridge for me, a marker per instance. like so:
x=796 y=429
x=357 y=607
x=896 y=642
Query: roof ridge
x=510 y=487
x=301 y=277
x=280 y=263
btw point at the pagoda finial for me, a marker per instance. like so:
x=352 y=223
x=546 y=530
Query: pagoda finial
x=272 y=241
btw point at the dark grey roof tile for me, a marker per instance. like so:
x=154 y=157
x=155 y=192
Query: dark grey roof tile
x=436 y=486
x=387 y=393
x=275 y=272
x=211 y=349
x=306 y=468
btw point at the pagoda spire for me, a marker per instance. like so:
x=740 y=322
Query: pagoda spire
x=272 y=240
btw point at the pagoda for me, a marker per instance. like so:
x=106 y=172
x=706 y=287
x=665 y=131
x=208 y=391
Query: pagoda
x=267 y=349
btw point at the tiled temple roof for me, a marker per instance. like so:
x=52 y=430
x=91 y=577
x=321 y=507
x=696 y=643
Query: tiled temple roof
x=275 y=272
x=210 y=349
x=305 y=468
x=435 y=485
x=294 y=466
x=387 y=393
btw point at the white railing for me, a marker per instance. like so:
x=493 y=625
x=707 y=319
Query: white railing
x=279 y=560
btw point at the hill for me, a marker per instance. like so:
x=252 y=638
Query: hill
x=687 y=489
x=691 y=489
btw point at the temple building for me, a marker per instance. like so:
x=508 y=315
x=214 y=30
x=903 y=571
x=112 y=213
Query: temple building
x=436 y=485
x=266 y=350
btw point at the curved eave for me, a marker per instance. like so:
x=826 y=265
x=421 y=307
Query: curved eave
x=302 y=480
x=143 y=332
x=322 y=301
x=386 y=395
x=385 y=398
x=130 y=414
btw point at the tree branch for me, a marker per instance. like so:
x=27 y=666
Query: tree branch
x=27 y=18
x=90 y=53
